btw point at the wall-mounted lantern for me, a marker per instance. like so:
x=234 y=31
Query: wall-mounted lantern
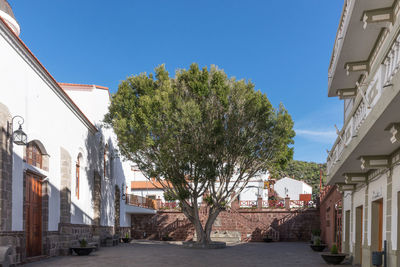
x=123 y=196
x=19 y=137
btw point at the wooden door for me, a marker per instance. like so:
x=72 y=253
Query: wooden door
x=380 y=233
x=33 y=213
x=361 y=233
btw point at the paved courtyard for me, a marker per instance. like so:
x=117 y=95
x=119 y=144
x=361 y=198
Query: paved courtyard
x=163 y=254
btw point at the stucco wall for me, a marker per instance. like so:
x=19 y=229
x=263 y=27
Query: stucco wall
x=294 y=188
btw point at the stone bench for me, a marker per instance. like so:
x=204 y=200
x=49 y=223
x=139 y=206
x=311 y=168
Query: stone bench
x=110 y=241
x=7 y=256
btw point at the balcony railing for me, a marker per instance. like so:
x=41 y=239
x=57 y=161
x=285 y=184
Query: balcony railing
x=139 y=201
x=365 y=102
x=269 y=204
x=169 y=205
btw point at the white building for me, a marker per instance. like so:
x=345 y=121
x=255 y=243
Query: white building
x=364 y=160
x=68 y=182
x=292 y=188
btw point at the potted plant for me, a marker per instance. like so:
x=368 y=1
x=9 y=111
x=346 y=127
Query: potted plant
x=267 y=239
x=126 y=239
x=334 y=257
x=318 y=246
x=315 y=233
x=166 y=237
x=83 y=248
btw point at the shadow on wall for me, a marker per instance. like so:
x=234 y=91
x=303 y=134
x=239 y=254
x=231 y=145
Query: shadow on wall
x=162 y=226
x=105 y=171
x=297 y=226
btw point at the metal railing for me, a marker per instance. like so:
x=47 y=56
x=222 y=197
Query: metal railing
x=366 y=100
x=139 y=201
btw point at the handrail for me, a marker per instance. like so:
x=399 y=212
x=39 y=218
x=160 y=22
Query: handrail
x=140 y=201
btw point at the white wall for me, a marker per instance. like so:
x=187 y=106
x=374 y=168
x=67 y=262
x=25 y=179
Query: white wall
x=47 y=119
x=395 y=208
x=293 y=188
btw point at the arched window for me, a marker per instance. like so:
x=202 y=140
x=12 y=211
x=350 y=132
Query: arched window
x=78 y=175
x=33 y=155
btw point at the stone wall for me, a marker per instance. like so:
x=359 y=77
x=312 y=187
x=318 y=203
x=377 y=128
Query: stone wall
x=65 y=193
x=96 y=197
x=5 y=169
x=16 y=239
x=250 y=225
x=327 y=213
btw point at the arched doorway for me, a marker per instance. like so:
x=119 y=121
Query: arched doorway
x=34 y=207
x=33 y=211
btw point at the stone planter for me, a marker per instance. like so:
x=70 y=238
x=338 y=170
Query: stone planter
x=318 y=248
x=83 y=251
x=212 y=245
x=333 y=258
x=166 y=238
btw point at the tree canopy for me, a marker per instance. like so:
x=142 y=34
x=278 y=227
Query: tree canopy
x=199 y=134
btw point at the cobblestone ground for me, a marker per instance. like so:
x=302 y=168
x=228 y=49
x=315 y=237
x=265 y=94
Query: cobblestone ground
x=278 y=254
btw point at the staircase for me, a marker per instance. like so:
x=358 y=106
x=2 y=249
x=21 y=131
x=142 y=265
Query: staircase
x=266 y=230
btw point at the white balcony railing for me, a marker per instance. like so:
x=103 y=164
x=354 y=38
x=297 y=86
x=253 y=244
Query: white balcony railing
x=366 y=101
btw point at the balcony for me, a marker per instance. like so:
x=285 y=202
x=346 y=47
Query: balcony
x=148 y=203
x=142 y=202
x=373 y=110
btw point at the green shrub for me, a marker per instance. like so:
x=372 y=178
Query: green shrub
x=334 y=249
x=83 y=243
x=316 y=232
x=317 y=241
x=208 y=199
x=168 y=196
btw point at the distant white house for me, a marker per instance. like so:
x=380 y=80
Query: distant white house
x=292 y=188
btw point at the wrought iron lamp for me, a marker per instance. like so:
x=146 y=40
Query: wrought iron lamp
x=123 y=196
x=19 y=137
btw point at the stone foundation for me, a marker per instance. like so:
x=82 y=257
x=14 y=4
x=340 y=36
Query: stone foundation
x=6 y=158
x=15 y=239
x=56 y=243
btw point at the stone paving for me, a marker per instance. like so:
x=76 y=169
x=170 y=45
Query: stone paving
x=157 y=253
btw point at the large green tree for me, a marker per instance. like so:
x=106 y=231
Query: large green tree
x=199 y=134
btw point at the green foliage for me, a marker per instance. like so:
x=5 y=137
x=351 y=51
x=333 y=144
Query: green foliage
x=334 y=249
x=316 y=232
x=309 y=172
x=83 y=243
x=168 y=196
x=126 y=235
x=197 y=130
x=208 y=199
x=317 y=241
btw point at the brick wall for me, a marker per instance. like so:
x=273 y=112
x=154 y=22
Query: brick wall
x=327 y=213
x=251 y=225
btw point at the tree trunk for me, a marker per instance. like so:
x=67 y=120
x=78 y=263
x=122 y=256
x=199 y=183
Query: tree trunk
x=203 y=234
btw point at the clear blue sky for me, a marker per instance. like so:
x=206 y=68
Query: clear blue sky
x=284 y=47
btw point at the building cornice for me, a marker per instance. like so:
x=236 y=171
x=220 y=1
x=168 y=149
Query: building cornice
x=19 y=46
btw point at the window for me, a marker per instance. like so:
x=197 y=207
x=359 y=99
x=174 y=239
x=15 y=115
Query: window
x=33 y=155
x=78 y=169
